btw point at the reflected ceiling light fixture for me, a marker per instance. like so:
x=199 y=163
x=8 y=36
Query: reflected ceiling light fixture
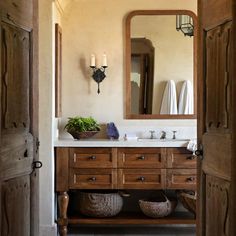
x=185 y=24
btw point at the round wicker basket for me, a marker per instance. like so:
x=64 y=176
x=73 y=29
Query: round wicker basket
x=98 y=204
x=188 y=199
x=157 y=208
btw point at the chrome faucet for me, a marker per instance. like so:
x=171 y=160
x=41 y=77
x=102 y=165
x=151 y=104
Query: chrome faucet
x=163 y=135
x=152 y=134
x=174 y=134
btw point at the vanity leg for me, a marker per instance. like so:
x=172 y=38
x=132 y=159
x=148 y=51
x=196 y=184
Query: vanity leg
x=63 y=200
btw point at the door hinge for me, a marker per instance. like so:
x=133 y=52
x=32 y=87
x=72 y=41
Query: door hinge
x=37 y=144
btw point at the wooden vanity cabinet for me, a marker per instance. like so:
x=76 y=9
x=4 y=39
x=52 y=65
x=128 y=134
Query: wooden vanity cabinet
x=121 y=168
x=181 y=170
x=141 y=168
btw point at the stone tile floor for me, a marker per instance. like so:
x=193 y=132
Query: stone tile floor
x=133 y=231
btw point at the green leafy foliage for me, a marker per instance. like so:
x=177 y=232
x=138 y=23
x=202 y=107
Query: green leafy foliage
x=82 y=124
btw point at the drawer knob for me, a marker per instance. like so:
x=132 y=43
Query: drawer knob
x=141 y=178
x=141 y=158
x=190 y=179
x=92 y=179
x=92 y=157
x=190 y=157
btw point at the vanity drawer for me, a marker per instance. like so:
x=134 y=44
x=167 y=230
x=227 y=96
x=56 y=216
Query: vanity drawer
x=181 y=178
x=93 y=179
x=141 y=158
x=180 y=158
x=93 y=158
x=141 y=178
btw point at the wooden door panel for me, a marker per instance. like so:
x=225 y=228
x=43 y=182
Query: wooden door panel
x=19 y=11
x=15 y=77
x=215 y=12
x=217 y=202
x=218 y=47
x=217 y=155
x=18 y=118
x=215 y=123
x=16 y=207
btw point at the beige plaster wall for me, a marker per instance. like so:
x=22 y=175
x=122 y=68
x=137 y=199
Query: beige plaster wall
x=97 y=26
x=173 y=52
x=49 y=14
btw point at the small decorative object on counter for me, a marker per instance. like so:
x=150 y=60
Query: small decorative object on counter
x=100 y=204
x=82 y=127
x=112 y=131
x=158 y=207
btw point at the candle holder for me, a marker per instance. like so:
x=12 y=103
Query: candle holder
x=98 y=75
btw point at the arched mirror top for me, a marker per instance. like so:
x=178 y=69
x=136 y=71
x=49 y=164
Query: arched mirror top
x=161 y=60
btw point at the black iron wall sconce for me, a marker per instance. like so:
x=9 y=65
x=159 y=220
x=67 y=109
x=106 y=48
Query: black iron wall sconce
x=98 y=73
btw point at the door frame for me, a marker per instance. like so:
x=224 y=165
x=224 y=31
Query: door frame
x=34 y=180
x=232 y=212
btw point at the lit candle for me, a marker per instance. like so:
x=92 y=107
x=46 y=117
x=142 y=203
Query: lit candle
x=104 y=60
x=92 y=60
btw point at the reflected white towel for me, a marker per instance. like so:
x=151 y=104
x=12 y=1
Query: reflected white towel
x=192 y=145
x=169 y=101
x=186 y=98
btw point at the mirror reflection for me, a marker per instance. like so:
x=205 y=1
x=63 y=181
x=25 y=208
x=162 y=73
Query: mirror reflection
x=161 y=66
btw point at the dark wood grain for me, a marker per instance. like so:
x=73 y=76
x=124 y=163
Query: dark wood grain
x=141 y=178
x=63 y=201
x=181 y=178
x=232 y=212
x=137 y=218
x=180 y=158
x=122 y=168
x=221 y=11
x=92 y=178
x=92 y=158
x=141 y=158
x=215 y=78
x=62 y=169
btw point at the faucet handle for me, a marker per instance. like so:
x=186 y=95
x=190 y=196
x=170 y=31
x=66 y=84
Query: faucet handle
x=152 y=134
x=163 y=135
x=174 y=136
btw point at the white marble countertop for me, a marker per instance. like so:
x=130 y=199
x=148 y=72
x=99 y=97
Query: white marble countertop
x=120 y=143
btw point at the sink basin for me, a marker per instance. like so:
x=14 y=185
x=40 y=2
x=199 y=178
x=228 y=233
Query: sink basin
x=162 y=140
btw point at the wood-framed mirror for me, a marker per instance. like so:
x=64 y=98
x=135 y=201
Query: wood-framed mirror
x=161 y=62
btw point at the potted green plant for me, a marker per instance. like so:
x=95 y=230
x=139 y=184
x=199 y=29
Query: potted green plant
x=82 y=127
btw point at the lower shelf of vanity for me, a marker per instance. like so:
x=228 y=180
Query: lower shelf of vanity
x=131 y=218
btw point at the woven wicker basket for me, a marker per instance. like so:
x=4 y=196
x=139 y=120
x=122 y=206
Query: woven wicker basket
x=82 y=135
x=98 y=204
x=188 y=199
x=157 y=208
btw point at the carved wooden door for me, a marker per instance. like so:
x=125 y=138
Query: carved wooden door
x=215 y=115
x=18 y=150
